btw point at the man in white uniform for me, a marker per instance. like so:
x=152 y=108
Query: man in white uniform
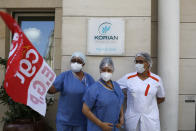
x=144 y=91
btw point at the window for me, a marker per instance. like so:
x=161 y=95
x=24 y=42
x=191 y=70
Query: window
x=39 y=28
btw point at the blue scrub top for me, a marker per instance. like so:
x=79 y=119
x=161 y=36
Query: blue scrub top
x=104 y=103
x=71 y=93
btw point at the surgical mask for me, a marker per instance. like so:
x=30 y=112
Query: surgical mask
x=76 y=67
x=139 y=68
x=106 y=76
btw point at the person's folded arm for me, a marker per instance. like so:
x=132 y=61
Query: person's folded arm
x=103 y=125
x=121 y=118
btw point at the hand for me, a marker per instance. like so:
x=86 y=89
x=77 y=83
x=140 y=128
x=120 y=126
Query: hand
x=121 y=122
x=106 y=126
x=119 y=125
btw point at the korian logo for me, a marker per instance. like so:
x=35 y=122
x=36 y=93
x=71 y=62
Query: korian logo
x=104 y=28
x=105 y=32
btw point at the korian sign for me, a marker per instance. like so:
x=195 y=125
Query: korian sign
x=105 y=32
x=105 y=36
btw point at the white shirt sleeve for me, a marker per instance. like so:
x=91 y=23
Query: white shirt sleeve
x=123 y=82
x=161 y=90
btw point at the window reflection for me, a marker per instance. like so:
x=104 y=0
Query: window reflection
x=40 y=31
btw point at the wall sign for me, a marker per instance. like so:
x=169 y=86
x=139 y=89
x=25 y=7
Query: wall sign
x=105 y=36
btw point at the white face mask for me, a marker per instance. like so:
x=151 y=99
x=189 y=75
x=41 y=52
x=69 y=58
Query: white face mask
x=106 y=76
x=139 y=68
x=75 y=67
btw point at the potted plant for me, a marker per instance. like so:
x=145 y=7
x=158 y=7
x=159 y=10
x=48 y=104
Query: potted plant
x=19 y=117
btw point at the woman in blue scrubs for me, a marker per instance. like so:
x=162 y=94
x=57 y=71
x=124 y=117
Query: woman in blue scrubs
x=72 y=85
x=103 y=101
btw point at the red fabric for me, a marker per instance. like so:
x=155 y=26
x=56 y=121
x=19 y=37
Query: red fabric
x=147 y=89
x=154 y=78
x=132 y=76
x=13 y=85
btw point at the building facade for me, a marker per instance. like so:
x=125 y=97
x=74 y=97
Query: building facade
x=142 y=30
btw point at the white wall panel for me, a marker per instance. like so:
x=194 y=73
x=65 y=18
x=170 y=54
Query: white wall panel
x=137 y=35
x=106 y=7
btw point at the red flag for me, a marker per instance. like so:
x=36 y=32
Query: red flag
x=28 y=77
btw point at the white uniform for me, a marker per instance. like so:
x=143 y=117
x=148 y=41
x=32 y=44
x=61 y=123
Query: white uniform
x=142 y=101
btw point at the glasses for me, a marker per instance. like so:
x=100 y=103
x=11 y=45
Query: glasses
x=76 y=61
x=139 y=61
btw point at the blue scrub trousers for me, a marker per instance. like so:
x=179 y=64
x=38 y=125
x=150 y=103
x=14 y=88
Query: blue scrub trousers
x=62 y=127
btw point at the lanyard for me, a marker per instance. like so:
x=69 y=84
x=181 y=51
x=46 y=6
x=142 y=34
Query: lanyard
x=105 y=84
